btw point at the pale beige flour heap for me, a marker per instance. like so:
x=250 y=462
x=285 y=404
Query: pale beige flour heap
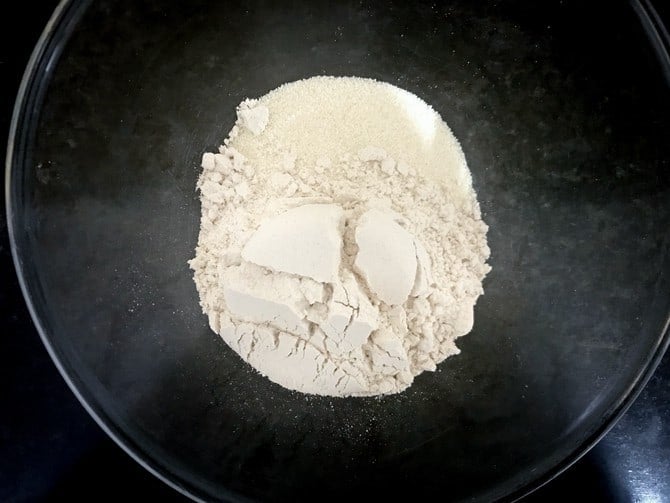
x=341 y=248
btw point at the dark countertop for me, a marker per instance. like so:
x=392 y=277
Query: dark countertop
x=50 y=448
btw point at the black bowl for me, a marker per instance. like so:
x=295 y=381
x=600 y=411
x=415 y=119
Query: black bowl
x=563 y=111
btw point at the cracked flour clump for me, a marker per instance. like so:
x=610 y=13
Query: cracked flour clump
x=341 y=248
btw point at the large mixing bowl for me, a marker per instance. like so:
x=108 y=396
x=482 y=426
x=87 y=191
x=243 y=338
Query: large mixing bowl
x=563 y=112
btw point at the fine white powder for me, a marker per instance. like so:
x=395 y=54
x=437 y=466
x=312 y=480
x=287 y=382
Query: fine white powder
x=341 y=248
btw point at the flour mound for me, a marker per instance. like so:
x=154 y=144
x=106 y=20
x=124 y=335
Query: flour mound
x=341 y=248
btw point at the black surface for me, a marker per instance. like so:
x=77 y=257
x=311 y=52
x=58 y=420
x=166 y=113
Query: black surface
x=51 y=453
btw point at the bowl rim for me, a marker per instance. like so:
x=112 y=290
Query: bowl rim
x=42 y=61
x=67 y=11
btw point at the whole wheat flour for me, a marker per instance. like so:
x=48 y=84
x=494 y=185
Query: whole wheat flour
x=341 y=247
